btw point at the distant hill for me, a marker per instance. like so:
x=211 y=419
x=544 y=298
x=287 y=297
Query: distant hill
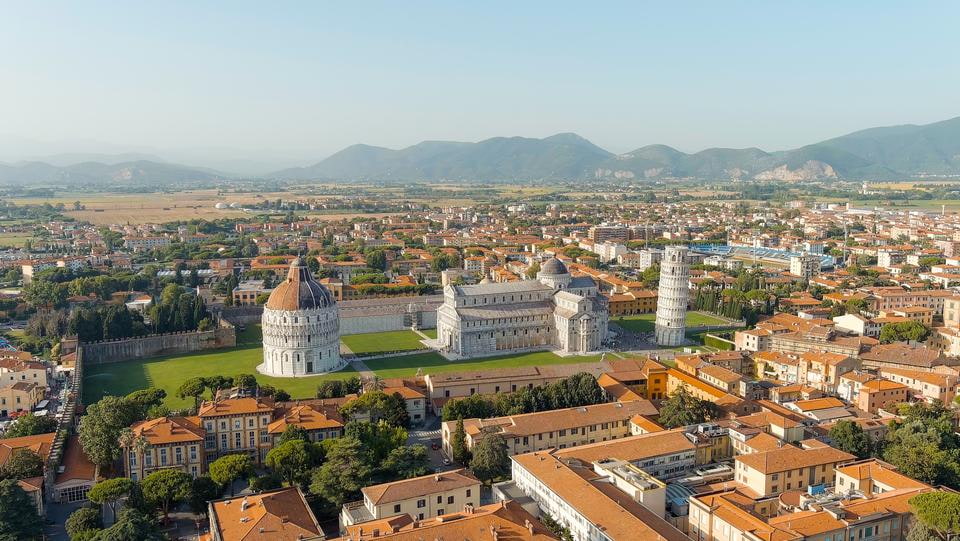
x=893 y=152
x=130 y=173
x=890 y=152
x=564 y=155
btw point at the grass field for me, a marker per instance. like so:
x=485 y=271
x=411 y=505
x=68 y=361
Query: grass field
x=382 y=342
x=14 y=240
x=432 y=333
x=434 y=363
x=645 y=322
x=168 y=373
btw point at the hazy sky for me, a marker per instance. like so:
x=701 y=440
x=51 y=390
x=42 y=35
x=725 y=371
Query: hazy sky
x=309 y=78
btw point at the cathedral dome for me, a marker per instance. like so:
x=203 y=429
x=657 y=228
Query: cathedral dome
x=553 y=266
x=300 y=291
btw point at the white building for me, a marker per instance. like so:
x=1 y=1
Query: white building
x=554 y=311
x=671 y=322
x=805 y=265
x=301 y=327
x=609 y=251
x=650 y=257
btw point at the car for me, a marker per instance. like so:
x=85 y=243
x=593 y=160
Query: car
x=446 y=462
x=435 y=446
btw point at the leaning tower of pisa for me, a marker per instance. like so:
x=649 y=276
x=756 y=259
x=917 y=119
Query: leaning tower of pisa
x=672 y=296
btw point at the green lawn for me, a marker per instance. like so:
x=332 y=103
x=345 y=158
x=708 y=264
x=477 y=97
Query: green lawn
x=376 y=343
x=645 y=322
x=169 y=372
x=434 y=363
x=432 y=333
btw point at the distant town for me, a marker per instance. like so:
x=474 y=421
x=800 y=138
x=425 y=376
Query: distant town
x=426 y=363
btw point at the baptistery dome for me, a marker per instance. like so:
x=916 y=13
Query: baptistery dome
x=301 y=327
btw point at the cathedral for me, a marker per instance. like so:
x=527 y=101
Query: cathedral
x=301 y=327
x=556 y=311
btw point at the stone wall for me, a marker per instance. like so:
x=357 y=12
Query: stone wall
x=124 y=349
x=242 y=315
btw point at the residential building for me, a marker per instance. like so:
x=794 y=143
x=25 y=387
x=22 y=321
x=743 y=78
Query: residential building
x=320 y=420
x=506 y=520
x=925 y=386
x=171 y=443
x=553 y=428
x=422 y=498
x=274 y=514
x=237 y=425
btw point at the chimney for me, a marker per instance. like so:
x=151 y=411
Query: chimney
x=244 y=504
x=528 y=525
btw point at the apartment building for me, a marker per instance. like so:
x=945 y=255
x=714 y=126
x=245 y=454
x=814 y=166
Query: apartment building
x=15 y=370
x=645 y=377
x=870 y=500
x=926 y=386
x=172 y=443
x=553 y=429
x=728 y=402
x=246 y=292
x=503 y=520
x=319 y=420
x=422 y=498
x=237 y=425
x=275 y=514
x=789 y=467
x=880 y=394
x=610 y=490
x=21 y=396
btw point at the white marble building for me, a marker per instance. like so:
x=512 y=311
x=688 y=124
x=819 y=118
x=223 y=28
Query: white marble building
x=555 y=311
x=671 y=322
x=301 y=327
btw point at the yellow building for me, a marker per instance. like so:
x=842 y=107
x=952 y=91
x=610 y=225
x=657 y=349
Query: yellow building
x=164 y=443
x=237 y=425
x=553 y=429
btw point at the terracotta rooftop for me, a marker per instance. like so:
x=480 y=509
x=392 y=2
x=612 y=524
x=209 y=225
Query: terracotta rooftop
x=419 y=486
x=275 y=515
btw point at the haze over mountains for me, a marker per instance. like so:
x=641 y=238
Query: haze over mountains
x=893 y=152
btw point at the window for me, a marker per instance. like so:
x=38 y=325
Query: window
x=396 y=508
x=468 y=492
x=449 y=499
x=421 y=504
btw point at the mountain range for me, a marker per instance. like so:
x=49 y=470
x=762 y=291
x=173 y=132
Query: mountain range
x=893 y=152
x=889 y=152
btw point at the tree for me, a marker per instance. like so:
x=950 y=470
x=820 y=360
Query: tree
x=850 y=437
x=336 y=388
x=110 y=491
x=905 y=331
x=18 y=514
x=194 y=388
x=132 y=524
x=406 y=462
x=100 y=428
x=245 y=381
x=293 y=432
x=23 y=463
x=203 y=490
x=145 y=399
x=227 y=469
x=938 y=511
x=83 y=523
x=343 y=474
x=378 y=439
x=30 y=425
x=491 y=458
x=293 y=461
x=919 y=532
x=377 y=406
x=682 y=409
x=164 y=488
x=458 y=444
